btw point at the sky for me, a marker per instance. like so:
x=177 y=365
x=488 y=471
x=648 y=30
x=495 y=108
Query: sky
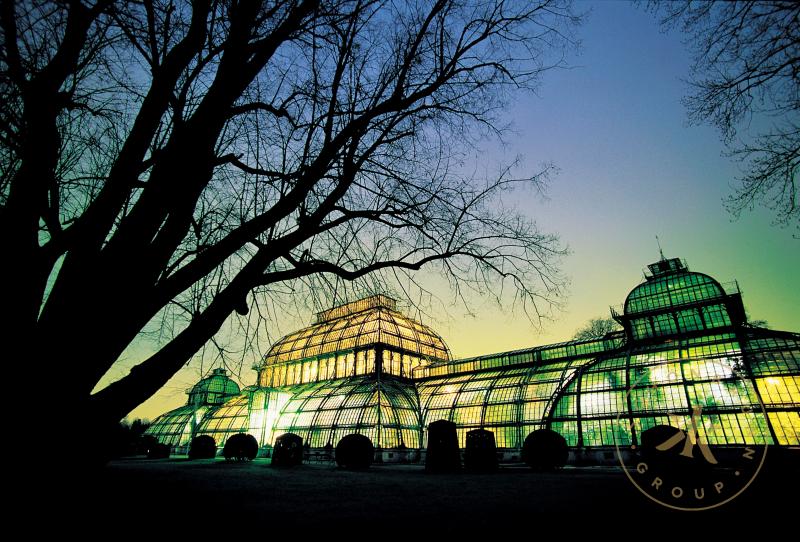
x=630 y=168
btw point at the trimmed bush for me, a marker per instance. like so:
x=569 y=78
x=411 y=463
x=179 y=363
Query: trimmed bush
x=443 y=454
x=203 y=447
x=158 y=451
x=544 y=449
x=669 y=461
x=653 y=437
x=288 y=450
x=240 y=447
x=355 y=452
x=481 y=451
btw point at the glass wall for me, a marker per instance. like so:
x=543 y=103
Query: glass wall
x=511 y=403
x=329 y=367
x=666 y=382
x=322 y=413
x=174 y=428
x=775 y=365
x=583 y=398
x=231 y=418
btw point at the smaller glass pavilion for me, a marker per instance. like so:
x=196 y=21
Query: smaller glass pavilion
x=177 y=427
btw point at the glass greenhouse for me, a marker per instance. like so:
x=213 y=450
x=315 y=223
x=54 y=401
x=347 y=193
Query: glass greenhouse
x=365 y=367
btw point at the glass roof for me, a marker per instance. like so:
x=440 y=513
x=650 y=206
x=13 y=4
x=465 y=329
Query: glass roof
x=359 y=324
x=540 y=355
x=174 y=427
x=385 y=411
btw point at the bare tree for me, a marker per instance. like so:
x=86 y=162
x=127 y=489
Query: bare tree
x=745 y=73
x=162 y=160
x=596 y=328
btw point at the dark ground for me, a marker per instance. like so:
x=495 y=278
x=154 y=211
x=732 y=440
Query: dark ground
x=312 y=498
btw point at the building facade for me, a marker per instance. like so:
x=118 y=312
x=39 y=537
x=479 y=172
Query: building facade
x=364 y=367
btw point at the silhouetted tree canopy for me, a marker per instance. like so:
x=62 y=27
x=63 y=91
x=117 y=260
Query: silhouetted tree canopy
x=745 y=79
x=169 y=167
x=755 y=322
x=596 y=328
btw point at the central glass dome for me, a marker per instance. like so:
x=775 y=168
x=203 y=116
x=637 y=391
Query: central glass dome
x=369 y=321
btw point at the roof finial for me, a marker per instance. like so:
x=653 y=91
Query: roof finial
x=660 y=251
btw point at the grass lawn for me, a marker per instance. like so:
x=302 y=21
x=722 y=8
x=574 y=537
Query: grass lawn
x=321 y=497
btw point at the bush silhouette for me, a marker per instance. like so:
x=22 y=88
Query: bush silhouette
x=669 y=462
x=544 y=449
x=654 y=437
x=158 y=451
x=481 y=451
x=355 y=452
x=443 y=454
x=203 y=447
x=240 y=447
x=288 y=450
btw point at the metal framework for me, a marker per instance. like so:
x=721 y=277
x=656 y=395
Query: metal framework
x=366 y=368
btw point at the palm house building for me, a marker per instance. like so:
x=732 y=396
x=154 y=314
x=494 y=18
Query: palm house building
x=366 y=368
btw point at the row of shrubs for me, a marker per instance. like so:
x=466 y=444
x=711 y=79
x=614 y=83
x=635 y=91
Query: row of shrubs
x=239 y=447
x=543 y=449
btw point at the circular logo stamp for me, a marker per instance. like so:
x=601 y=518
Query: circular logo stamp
x=679 y=464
